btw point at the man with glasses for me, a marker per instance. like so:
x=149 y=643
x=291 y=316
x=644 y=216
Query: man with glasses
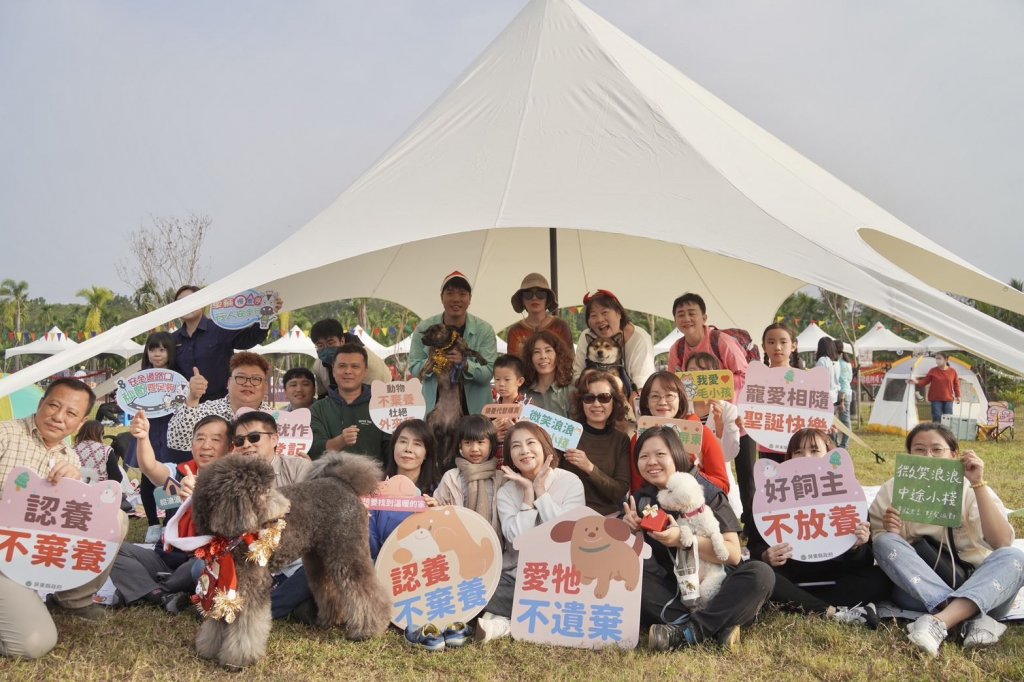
x=341 y=421
x=247 y=387
x=255 y=434
x=328 y=336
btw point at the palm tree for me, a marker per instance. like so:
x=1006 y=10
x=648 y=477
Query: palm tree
x=15 y=294
x=98 y=298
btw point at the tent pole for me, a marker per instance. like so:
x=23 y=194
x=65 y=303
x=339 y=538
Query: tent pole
x=553 y=251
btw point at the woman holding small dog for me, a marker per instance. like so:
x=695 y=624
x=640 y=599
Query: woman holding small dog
x=547 y=364
x=535 y=492
x=601 y=458
x=844 y=588
x=608 y=323
x=537 y=299
x=746 y=586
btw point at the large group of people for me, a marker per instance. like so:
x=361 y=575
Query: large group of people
x=510 y=473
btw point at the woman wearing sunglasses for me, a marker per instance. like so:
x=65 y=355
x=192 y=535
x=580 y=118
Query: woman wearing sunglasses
x=537 y=300
x=601 y=459
x=247 y=387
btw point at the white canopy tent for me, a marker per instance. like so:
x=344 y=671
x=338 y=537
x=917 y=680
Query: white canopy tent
x=665 y=345
x=933 y=344
x=565 y=122
x=371 y=344
x=127 y=349
x=53 y=342
x=879 y=337
x=807 y=340
x=295 y=342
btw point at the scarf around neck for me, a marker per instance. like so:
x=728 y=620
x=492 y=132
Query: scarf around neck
x=479 y=484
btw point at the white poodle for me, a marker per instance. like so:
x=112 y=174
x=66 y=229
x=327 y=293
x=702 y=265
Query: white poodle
x=684 y=495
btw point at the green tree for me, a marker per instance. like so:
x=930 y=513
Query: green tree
x=97 y=298
x=14 y=296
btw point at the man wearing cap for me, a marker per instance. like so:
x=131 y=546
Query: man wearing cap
x=456 y=295
x=538 y=300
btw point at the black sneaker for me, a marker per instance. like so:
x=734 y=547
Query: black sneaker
x=670 y=637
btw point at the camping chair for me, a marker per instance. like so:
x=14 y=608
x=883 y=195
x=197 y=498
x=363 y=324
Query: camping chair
x=1001 y=422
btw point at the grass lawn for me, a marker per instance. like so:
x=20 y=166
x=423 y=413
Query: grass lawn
x=147 y=644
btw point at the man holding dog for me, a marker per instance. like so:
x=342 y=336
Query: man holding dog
x=38 y=442
x=341 y=421
x=456 y=295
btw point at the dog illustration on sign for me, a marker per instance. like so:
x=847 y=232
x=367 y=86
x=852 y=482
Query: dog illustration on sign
x=440 y=530
x=598 y=551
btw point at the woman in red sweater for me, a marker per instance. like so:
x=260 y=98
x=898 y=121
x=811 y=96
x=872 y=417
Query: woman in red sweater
x=944 y=387
x=663 y=396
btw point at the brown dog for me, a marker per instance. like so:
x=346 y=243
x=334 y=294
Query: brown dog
x=598 y=551
x=443 y=420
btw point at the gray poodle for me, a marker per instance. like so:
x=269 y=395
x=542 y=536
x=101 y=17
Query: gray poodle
x=326 y=525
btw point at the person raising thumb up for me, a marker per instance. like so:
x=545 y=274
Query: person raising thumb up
x=196 y=388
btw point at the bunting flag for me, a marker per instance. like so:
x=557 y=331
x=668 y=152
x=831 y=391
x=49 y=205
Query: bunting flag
x=779 y=318
x=10 y=336
x=384 y=331
x=394 y=330
x=797 y=320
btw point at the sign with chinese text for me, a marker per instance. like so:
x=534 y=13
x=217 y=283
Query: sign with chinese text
x=691 y=433
x=395 y=402
x=578 y=582
x=502 y=411
x=245 y=310
x=929 y=490
x=777 y=402
x=397 y=493
x=715 y=384
x=812 y=503
x=294 y=434
x=440 y=566
x=55 y=537
x=564 y=432
x=157 y=392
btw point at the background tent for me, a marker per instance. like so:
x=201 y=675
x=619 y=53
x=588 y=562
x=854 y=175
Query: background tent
x=881 y=338
x=933 y=344
x=665 y=345
x=371 y=344
x=895 y=409
x=295 y=342
x=53 y=342
x=21 y=403
x=565 y=122
x=807 y=340
x=127 y=349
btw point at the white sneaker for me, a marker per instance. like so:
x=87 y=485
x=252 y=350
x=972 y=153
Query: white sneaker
x=855 y=615
x=490 y=626
x=927 y=632
x=153 y=534
x=981 y=631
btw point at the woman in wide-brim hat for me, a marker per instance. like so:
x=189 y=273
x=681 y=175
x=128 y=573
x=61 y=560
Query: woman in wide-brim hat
x=537 y=300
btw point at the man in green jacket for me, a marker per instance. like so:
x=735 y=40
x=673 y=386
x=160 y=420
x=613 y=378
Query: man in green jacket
x=341 y=421
x=456 y=295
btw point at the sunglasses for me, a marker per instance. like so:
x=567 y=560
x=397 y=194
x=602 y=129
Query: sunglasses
x=603 y=398
x=254 y=437
x=535 y=293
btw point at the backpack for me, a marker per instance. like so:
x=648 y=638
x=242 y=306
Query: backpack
x=742 y=337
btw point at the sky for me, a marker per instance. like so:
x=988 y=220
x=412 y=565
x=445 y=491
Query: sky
x=259 y=114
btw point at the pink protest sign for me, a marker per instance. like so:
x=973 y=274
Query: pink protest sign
x=157 y=392
x=691 y=433
x=395 y=402
x=578 y=582
x=397 y=493
x=502 y=411
x=294 y=434
x=245 y=309
x=812 y=503
x=440 y=566
x=776 y=403
x=55 y=537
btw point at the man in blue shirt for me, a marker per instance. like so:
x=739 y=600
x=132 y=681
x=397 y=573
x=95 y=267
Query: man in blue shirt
x=199 y=343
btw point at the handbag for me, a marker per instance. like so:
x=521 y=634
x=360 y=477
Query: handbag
x=944 y=559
